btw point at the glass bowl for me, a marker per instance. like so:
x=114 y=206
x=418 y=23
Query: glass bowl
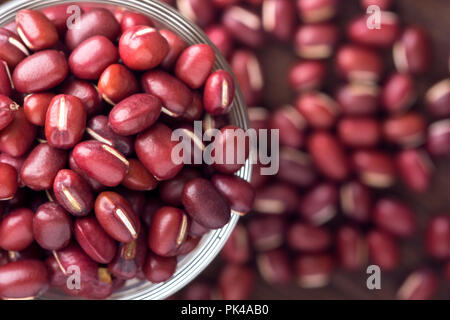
x=193 y=264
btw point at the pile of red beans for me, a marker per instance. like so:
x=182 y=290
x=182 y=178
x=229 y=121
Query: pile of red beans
x=354 y=133
x=87 y=182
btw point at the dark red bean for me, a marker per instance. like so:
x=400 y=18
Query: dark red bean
x=142 y=47
x=438 y=142
x=159 y=269
x=130 y=19
x=394 y=217
x=356 y=201
x=59 y=15
x=168 y=231
x=437 y=237
x=421 y=284
x=65 y=121
x=12 y=50
x=383 y=36
x=98 y=128
x=195 y=64
x=138 y=178
x=415 y=168
x=174 y=94
x=375 y=168
x=328 y=155
x=198 y=291
x=30 y=76
x=9 y=178
x=94 y=240
x=407 y=130
x=98 y=21
x=383 y=250
x=383 y=4
x=307 y=75
x=291 y=125
x=176 y=46
x=86 y=92
x=52 y=226
x=195 y=110
x=296 y=168
x=117 y=217
x=41 y=166
x=314 y=271
x=412 y=52
x=154 y=149
x=275 y=267
x=358 y=99
x=276 y=199
x=316 y=41
x=73 y=192
x=267 y=233
x=205 y=204
x=237 y=249
x=279 y=18
x=236 y=282
x=319 y=110
x=438 y=99
x=94 y=184
x=101 y=162
x=23 y=279
x=359 y=64
x=8 y=109
x=92 y=56
x=319 y=205
x=35 y=106
x=134 y=114
x=245 y=25
x=36 y=30
x=6 y=83
x=237 y=191
x=359 y=132
x=221 y=38
x=399 y=93
x=201 y=12
x=312 y=11
x=306 y=238
x=17 y=138
x=351 y=248
x=218 y=94
x=117 y=83
x=170 y=191
x=16 y=230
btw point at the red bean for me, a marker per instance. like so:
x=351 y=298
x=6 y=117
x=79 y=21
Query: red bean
x=328 y=155
x=142 y=47
x=73 y=192
x=131 y=19
x=407 y=130
x=306 y=238
x=30 y=76
x=267 y=233
x=316 y=41
x=237 y=191
x=170 y=191
x=218 y=94
x=16 y=230
x=94 y=184
x=168 y=231
x=279 y=18
x=307 y=75
x=276 y=199
x=205 y=204
x=36 y=30
x=296 y=168
x=245 y=26
x=159 y=269
x=134 y=114
x=237 y=249
x=437 y=99
x=154 y=149
x=412 y=53
x=101 y=162
x=275 y=267
x=359 y=132
x=394 y=217
x=319 y=205
x=319 y=110
x=359 y=64
x=437 y=237
x=65 y=121
x=36 y=105
x=221 y=38
x=52 y=226
x=174 y=95
x=383 y=250
x=8 y=109
x=98 y=128
x=94 y=240
x=117 y=83
x=12 y=50
x=59 y=15
x=351 y=248
x=176 y=46
x=291 y=125
x=23 y=279
x=357 y=99
x=5 y=79
x=415 y=169
x=356 y=201
x=41 y=166
x=195 y=64
x=138 y=178
x=98 y=21
x=398 y=93
x=201 y=12
x=383 y=4
x=438 y=143
x=420 y=285
x=9 y=179
x=91 y=57
x=236 y=282
x=117 y=217
x=312 y=11
x=375 y=168
x=314 y=271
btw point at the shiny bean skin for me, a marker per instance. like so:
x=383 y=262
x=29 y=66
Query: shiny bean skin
x=8 y=110
x=101 y=162
x=86 y=92
x=195 y=64
x=65 y=121
x=36 y=105
x=17 y=138
x=40 y=71
x=117 y=83
x=154 y=149
x=237 y=191
x=205 y=204
x=36 y=30
x=98 y=21
x=159 y=269
x=94 y=184
x=168 y=231
x=138 y=178
x=117 y=217
x=9 y=178
x=73 y=193
x=41 y=166
x=16 y=230
x=92 y=56
x=176 y=46
x=52 y=226
x=171 y=191
x=94 y=240
x=175 y=96
x=23 y=279
x=5 y=79
x=134 y=114
x=12 y=50
x=218 y=93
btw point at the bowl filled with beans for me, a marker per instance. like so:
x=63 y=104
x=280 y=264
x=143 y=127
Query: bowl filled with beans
x=93 y=204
